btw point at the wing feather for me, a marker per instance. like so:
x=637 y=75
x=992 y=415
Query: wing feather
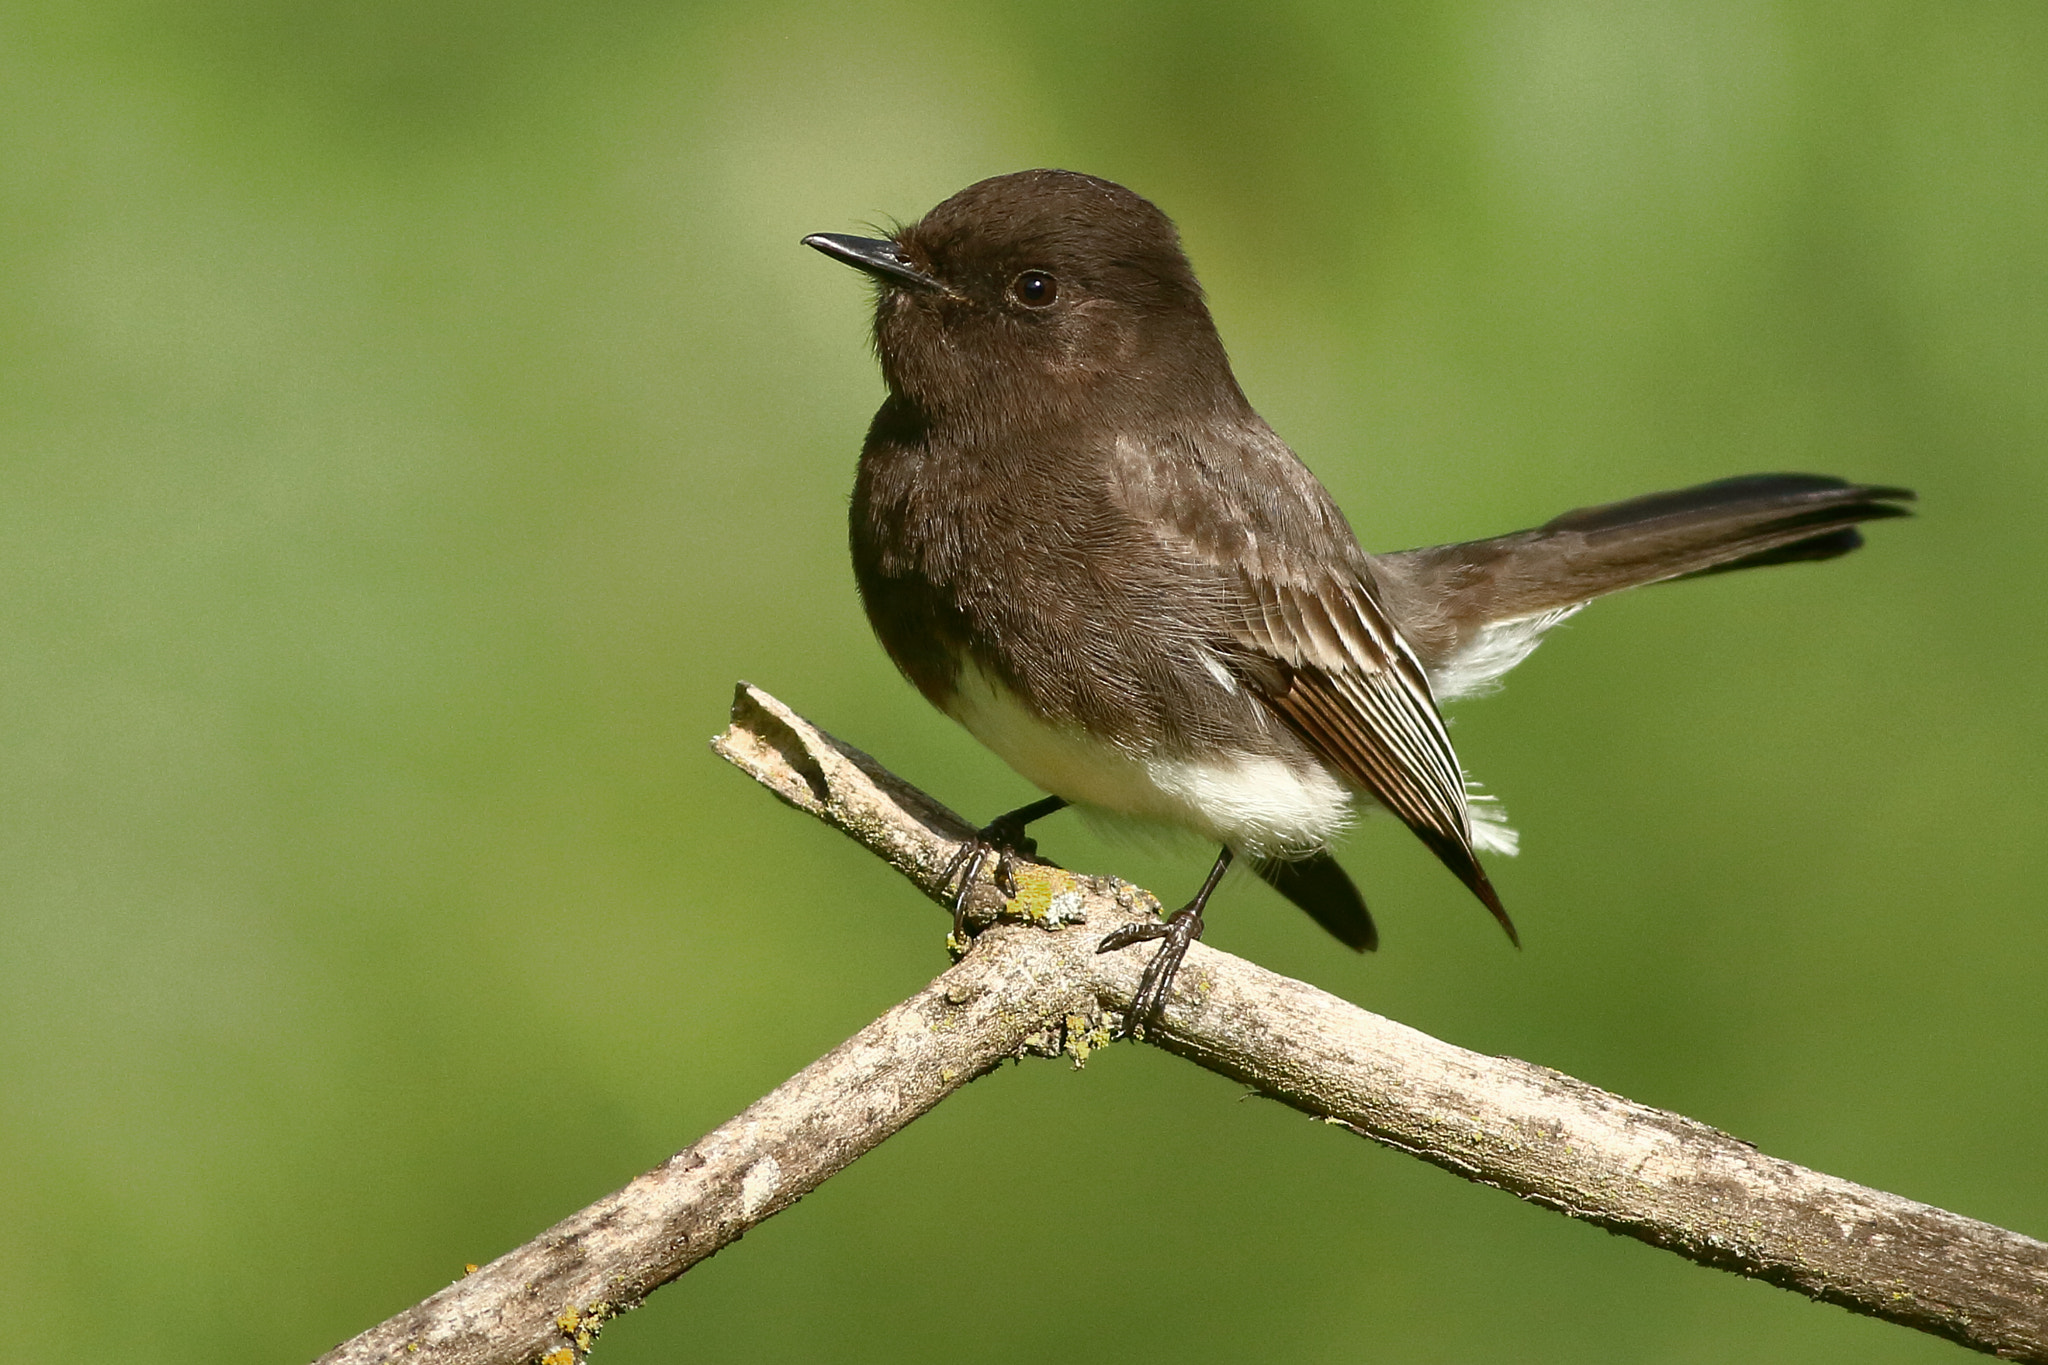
x=1247 y=512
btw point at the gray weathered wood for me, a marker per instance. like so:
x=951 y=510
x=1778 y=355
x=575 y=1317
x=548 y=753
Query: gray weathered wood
x=1034 y=984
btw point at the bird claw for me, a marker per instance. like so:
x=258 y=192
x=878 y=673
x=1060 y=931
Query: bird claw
x=1157 y=981
x=1002 y=839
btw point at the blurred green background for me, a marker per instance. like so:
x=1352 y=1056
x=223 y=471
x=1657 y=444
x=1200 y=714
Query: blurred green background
x=415 y=416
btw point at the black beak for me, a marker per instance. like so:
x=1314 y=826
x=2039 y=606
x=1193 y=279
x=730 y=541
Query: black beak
x=878 y=256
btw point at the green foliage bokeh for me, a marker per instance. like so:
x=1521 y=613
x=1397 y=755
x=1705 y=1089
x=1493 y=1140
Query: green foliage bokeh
x=414 y=417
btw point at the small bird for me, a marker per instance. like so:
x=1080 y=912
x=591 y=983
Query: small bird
x=1074 y=535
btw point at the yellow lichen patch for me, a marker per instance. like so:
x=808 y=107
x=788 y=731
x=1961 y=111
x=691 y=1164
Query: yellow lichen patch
x=592 y=1323
x=565 y=1356
x=1045 y=895
x=1085 y=1036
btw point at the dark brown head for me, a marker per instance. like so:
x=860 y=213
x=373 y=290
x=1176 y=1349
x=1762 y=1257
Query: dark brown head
x=1040 y=296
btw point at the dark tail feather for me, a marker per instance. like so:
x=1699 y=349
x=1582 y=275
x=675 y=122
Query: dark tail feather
x=1833 y=545
x=1318 y=885
x=1739 y=523
x=1746 y=507
x=1443 y=596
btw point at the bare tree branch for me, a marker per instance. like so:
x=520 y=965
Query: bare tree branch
x=547 y=1299
x=1543 y=1136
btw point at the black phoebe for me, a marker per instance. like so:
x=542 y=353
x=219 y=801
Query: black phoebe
x=1077 y=539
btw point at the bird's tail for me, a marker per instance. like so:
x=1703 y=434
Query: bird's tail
x=1319 y=885
x=1474 y=610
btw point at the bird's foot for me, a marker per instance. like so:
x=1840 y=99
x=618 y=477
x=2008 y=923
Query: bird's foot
x=1182 y=929
x=1002 y=839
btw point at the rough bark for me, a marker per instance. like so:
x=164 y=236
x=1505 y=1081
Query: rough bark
x=1034 y=984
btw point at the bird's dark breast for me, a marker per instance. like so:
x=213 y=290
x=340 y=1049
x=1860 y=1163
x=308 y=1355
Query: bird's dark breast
x=1024 y=569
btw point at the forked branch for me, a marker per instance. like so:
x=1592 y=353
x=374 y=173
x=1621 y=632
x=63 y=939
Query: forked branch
x=1033 y=984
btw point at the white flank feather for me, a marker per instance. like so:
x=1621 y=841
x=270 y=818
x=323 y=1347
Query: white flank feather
x=1261 y=806
x=1477 y=668
x=1491 y=832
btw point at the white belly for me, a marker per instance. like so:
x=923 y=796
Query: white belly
x=1258 y=805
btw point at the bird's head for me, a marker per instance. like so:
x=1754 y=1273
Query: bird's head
x=1039 y=295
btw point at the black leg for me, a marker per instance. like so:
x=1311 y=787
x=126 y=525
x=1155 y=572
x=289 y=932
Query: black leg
x=1183 y=928
x=1002 y=839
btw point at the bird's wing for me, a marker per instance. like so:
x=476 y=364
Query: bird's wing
x=1315 y=643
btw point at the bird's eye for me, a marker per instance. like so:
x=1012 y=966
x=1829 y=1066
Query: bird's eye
x=1034 y=289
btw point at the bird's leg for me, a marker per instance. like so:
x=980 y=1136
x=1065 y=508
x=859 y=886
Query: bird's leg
x=1181 y=929
x=1002 y=839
